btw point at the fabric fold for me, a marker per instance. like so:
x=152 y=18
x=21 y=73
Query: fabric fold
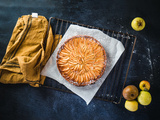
x=28 y=50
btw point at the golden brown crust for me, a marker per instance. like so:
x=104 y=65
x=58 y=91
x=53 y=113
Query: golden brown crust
x=81 y=60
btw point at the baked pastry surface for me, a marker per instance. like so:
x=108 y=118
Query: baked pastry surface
x=81 y=60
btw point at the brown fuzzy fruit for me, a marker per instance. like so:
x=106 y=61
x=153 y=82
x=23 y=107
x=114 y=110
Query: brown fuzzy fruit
x=130 y=92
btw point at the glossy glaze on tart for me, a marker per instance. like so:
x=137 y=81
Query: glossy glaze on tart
x=81 y=60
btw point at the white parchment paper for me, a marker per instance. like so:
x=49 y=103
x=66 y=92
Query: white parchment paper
x=113 y=48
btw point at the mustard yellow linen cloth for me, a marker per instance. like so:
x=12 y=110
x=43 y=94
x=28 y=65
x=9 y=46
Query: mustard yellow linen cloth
x=28 y=50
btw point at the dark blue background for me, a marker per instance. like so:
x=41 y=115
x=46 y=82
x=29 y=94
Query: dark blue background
x=22 y=102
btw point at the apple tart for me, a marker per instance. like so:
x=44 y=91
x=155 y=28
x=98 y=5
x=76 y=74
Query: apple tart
x=81 y=60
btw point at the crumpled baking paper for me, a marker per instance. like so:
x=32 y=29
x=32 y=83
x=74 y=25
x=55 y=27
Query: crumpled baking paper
x=112 y=46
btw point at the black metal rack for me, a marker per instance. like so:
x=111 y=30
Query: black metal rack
x=111 y=89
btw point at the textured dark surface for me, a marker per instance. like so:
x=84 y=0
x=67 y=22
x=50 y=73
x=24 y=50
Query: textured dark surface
x=19 y=102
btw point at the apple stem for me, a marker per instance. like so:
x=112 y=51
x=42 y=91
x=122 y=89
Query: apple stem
x=145 y=89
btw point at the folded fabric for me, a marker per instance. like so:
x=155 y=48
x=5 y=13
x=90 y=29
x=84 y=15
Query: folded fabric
x=29 y=49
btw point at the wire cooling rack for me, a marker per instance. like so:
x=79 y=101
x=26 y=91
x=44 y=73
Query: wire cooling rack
x=111 y=89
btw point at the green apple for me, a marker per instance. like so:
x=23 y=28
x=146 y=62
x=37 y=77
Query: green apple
x=144 y=98
x=138 y=24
